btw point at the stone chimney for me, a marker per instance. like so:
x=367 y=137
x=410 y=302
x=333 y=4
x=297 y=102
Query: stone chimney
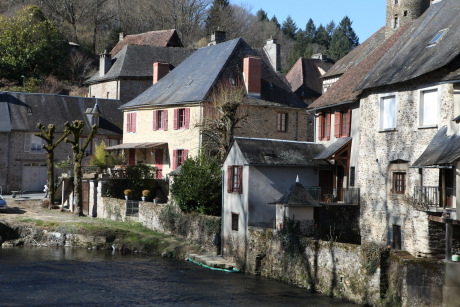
x=105 y=63
x=218 y=37
x=319 y=56
x=252 y=73
x=273 y=51
x=121 y=36
x=159 y=71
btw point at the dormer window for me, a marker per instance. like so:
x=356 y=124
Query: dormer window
x=436 y=38
x=95 y=120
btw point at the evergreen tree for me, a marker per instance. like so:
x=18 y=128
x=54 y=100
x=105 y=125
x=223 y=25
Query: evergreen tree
x=261 y=15
x=330 y=27
x=322 y=37
x=343 y=39
x=215 y=14
x=289 y=27
x=310 y=32
x=275 y=21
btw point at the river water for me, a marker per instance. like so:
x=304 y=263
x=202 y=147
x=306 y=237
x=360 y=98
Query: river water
x=75 y=277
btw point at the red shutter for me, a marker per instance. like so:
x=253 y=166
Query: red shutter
x=327 y=129
x=176 y=119
x=174 y=159
x=155 y=117
x=133 y=122
x=337 y=123
x=128 y=122
x=165 y=120
x=348 y=126
x=320 y=127
x=187 y=118
x=240 y=179
x=229 y=179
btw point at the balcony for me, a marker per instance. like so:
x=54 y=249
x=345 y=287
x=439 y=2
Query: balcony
x=345 y=196
x=433 y=198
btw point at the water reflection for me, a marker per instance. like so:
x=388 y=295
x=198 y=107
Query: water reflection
x=65 y=276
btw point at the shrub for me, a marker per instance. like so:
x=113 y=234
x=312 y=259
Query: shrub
x=128 y=192
x=198 y=187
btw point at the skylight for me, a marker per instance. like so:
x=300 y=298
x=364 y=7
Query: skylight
x=436 y=38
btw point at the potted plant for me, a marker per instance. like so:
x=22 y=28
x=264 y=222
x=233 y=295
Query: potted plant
x=128 y=193
x=145 y=194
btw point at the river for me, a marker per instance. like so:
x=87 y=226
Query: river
x=75 y=277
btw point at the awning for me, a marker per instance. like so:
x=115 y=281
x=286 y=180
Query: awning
x=442 y=151
x=329 y=152
x=135 y=145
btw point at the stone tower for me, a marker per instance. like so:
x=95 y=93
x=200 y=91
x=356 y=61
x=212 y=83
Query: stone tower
x=400 y=12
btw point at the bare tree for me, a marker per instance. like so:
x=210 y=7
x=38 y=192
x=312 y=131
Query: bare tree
x=76 y=130
x=49 y=147
x=223 y=114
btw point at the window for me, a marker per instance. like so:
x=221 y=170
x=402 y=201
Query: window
x=234 y=179
x=428 y=108
x=131 y=122
x=352 y=176
x=235 y=220
x=179 y=157
x=388 y=113
x=342 y=123
x=396 y=237
x=281 y=122
x=436 y=38
x=396 y=22
x=181 y=118
x=160 y=120
x=324 y=127
x=399 y=183
x=33 y=144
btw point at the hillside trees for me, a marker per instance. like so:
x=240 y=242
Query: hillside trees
x=30 y=45
x=343 y=40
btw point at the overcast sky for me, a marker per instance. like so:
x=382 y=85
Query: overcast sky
x=367 y=15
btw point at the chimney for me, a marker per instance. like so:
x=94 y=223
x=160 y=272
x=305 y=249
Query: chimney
x=217 y=37
x=319 y=56
x=159 y=71
x=121 y=36
x=105 y=63
x=273 y=52
x=252 y=73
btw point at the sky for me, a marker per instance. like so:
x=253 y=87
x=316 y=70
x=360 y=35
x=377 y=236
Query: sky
x=367 y=15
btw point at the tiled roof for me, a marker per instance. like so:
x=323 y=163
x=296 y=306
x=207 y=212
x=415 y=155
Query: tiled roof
x=411 y=57
x=162 y=38
x=305 y=77
x=357 y=55
x=343 y=90
x=22 y=111
x=137 y=62
x=194 y=78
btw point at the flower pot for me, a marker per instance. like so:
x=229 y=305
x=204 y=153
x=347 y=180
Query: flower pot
x=126 y=197
x=143 y=198
x=456 y=258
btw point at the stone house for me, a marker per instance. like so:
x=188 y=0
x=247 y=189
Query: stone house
x=410 y=103
x=23 y=162
x=128 y=69
x=257 y=173
x=163 y=125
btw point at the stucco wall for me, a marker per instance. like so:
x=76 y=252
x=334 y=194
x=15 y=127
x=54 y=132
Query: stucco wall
x=380 y=209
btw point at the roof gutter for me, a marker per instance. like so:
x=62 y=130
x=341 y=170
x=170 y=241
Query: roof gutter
x=311 y=111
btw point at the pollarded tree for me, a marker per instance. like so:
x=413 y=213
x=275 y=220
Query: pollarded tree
x=30 y=45
x=76 y=130
x=49 y=147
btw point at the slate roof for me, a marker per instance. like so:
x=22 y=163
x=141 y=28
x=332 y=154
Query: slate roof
x=297 y=196
x=357 y=55
x=22 y=112
x=443 y=150
x=305 y=77
x=194 y=78
x=342 y=91
x=135 y=61
x=266 y=152
x=161 y=38
x=411 y=57
x=333 y=148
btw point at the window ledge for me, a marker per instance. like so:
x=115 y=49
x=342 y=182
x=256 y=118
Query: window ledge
x=427 y=127
x=387 y=130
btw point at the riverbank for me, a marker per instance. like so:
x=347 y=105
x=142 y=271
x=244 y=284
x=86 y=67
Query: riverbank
x=28 y=224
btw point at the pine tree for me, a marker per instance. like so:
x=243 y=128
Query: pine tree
x=289 y=27
x=215 y=15
x=275 y=21
x=261 y=15
x=310 y=32
x=322 y=37
x=344 y=39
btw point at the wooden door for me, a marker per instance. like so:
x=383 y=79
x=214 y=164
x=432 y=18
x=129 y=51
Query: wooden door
x=132 y=156
x=326 y=182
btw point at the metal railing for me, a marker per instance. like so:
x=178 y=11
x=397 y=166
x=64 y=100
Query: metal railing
x=430 y=196
x=347 y=196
